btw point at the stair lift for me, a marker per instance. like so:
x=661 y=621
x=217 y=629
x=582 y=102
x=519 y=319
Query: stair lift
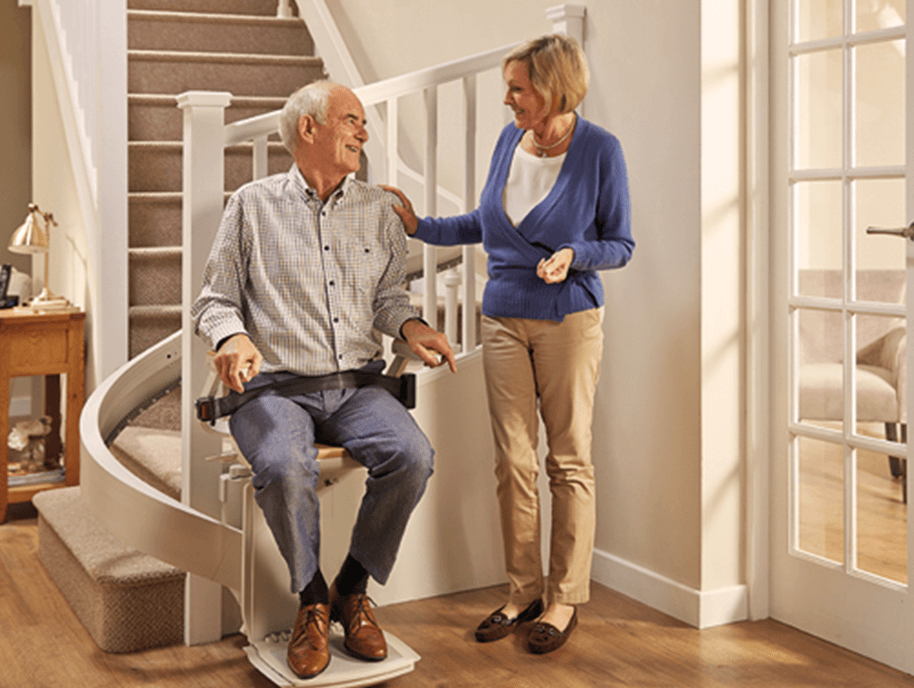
x=268 y=608
x=237 y=550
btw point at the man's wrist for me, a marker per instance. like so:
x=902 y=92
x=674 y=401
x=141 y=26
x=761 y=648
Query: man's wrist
x=403 y=336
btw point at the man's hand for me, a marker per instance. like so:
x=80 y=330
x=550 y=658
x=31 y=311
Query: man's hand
x=555 y=269
x=237 y=361
x=422 y=339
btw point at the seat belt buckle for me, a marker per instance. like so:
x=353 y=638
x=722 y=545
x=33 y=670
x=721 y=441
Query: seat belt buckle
x=408 y=390
x=205 y=410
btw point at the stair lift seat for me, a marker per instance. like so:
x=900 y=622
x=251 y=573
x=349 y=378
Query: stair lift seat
x=268 y=608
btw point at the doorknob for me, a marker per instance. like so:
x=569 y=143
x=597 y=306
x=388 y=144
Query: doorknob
x=903 y=232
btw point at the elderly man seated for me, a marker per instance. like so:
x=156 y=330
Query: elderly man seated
x=306 y=267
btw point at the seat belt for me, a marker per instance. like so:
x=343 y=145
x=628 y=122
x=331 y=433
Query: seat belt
x=402 y=388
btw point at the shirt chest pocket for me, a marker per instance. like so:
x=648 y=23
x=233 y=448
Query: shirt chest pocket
x=363 y=264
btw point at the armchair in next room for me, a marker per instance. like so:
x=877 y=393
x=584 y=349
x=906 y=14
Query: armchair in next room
x=881 y=350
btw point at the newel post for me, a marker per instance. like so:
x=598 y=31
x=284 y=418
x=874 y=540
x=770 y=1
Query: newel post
x=203 y=180
x=569 y=20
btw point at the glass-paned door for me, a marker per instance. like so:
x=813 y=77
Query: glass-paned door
x=840 y=564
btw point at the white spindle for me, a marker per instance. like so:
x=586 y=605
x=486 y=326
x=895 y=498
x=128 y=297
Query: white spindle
x=430 y=253
x=261 y=157
x=393 y=140
x=284 y=9
x=451 y=282
x=468 y=284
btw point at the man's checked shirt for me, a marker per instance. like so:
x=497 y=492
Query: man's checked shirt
x=308 y=282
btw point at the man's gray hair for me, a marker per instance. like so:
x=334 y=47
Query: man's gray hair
x=312 y=99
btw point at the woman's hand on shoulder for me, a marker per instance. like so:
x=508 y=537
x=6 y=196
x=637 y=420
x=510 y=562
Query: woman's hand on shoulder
x=405 y=211
x=555 y=268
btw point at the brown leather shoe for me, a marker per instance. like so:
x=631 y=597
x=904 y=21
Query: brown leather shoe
x=309 y=653
x=496 y=625
x=545 y=637
x=364 y=638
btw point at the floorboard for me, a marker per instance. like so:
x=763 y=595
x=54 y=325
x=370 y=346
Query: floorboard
x=619 y=642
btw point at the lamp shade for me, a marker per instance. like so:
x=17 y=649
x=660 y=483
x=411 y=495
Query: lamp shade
x=30 y=237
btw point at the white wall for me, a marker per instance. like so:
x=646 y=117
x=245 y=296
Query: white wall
x=666 y=79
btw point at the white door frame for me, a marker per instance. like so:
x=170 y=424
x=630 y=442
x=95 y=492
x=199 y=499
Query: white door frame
x=758 y=241
x=767 y=285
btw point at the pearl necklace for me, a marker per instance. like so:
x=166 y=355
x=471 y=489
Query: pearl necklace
x=543 y=151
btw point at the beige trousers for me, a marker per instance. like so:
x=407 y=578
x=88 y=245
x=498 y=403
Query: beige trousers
x=559 y=363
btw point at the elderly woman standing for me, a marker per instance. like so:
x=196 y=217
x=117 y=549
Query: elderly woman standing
x=555 y=209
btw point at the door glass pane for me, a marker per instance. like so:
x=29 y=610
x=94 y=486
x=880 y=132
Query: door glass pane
x=879 y=203
x=879 y=106
x=878 y=14
x=880 y=367
x=821 y=372
x=882 y=515
x=817 y=221
x=819 y=110
x=818 y=19
x=821 y=498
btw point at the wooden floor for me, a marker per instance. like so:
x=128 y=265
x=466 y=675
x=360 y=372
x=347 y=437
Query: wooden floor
x=618 y=643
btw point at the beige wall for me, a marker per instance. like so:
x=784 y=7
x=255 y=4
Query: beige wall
x=16 y=135
x=15 y=145
x=668 y=432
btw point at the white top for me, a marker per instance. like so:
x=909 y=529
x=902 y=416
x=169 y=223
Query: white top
x=530 y=180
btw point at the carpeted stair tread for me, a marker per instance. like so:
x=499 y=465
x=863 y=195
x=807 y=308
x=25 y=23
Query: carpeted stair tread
x=211 y=32
x=152 y=455
x=126 y=600
x=103 y=557
x=246 y=7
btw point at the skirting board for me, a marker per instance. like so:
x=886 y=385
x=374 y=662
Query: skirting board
x=702 y=609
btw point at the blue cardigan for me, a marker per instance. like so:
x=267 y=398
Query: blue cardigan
x=588 y=210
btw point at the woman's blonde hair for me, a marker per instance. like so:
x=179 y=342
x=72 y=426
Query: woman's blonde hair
x=557 y=69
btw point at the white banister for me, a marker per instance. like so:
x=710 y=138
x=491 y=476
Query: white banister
x=203 y=179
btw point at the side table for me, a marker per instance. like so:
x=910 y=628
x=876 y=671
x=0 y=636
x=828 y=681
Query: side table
x=42 y=343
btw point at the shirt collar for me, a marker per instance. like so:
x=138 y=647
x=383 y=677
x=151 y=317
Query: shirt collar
x=298 y=179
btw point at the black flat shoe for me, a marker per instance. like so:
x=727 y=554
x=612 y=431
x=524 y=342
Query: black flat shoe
x=496 y=626
x=545 y=637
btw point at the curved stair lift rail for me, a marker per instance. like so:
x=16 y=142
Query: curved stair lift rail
x=136 y=513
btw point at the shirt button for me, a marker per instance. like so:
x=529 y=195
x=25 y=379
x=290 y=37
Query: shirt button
x=336 y=320
x=326 y=248
x=332 y=283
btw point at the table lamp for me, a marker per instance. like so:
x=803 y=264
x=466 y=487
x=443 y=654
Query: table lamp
x=31 y=238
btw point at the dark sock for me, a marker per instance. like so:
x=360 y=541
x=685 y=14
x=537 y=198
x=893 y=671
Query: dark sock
x=352 y=578
x=315 y=592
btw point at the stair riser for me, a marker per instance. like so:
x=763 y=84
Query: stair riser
x=146 y=331
x=259 y=7
x=155 y=281
x=154 y=223
x=219 y=37
x=161 y=170
x=160 y=122
x=250 y=79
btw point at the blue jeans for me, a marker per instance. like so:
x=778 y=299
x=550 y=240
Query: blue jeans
x=276 y=434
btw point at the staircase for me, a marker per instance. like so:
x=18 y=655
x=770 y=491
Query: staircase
x=181 y=45
x=127 y=600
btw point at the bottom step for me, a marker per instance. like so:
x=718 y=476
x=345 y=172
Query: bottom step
x=127 y=600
